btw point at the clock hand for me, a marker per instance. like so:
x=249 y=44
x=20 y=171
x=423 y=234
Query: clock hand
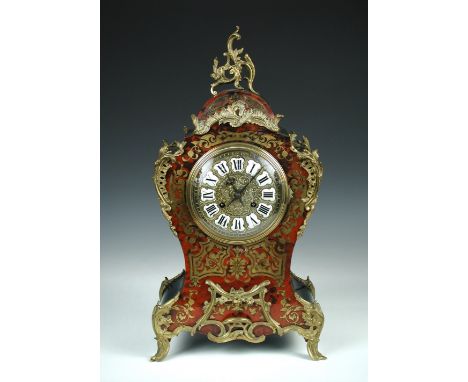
x=250 y=181
x=239 y=193
x=236 y=197
x=230 y=182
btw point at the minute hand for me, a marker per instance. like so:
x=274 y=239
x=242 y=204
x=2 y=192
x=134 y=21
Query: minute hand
x=250 y=181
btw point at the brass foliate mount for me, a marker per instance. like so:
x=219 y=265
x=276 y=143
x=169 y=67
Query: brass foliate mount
x=234 y=66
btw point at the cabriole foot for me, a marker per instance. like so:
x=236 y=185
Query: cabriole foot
x=163 y=349
x=312 y=349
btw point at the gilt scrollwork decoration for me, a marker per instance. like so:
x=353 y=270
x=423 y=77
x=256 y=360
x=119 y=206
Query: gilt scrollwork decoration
x=236 y=114
x=314 y=320
x=209 y=140
x=235 y=263
x=167 y=155
x=306 y=319
x=237 y=328
x=310 y=162
x=162 y=320
x=184 y=311
x=231 y=71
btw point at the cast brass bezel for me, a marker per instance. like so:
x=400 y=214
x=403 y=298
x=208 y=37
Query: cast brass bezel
x=283 y=181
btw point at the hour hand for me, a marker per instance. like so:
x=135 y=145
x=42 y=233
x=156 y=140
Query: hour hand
x=236 y=197
x=242 y=190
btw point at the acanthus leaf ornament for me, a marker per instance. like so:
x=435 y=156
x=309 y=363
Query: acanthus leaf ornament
x=167 y=155
x=310 y=162
x=235 y=328
x=236 y=114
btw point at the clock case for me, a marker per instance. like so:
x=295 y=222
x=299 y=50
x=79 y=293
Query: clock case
x=237 y=291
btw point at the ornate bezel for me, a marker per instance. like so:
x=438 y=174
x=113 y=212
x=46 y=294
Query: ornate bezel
x=285 y=197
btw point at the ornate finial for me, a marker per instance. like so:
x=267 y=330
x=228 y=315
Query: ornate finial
x=234 y=68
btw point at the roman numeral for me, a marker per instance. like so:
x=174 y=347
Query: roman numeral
x=207 y=194
x=237 y=164
x=222 y=168
x=264 y=209
x=223 y=221
x=263 y=179
x=268 y=194
x=211 y=209
x=252 y=167
x=211 y=179
x=252 y=220
x=237 y=224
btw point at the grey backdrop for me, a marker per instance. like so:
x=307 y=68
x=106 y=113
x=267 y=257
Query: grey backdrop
x=311 y=61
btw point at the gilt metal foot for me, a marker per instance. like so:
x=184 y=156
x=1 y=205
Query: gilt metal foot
x=163 y=349
x=314 y=319
x=161 y=321
x=312 y=349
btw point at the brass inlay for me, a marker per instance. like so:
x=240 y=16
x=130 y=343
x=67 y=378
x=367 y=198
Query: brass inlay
x=291 y=313
x=237 y=265
x=210 y=140
x=207 y=262
x=266 y=262
x=184 y=312
x=233 y=66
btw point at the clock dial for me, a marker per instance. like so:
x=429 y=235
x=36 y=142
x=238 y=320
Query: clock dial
x=237 y=193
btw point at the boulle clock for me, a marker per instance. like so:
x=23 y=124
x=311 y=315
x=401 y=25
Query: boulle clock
x=237 y=192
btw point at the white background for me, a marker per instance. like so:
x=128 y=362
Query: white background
x=49 y=155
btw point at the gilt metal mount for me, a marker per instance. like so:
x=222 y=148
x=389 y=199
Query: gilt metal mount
x=234 y=66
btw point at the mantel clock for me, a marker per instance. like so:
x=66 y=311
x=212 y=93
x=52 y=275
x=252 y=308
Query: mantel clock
x=237 y=192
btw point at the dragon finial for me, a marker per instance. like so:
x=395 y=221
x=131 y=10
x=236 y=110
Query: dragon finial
x=233 y=66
